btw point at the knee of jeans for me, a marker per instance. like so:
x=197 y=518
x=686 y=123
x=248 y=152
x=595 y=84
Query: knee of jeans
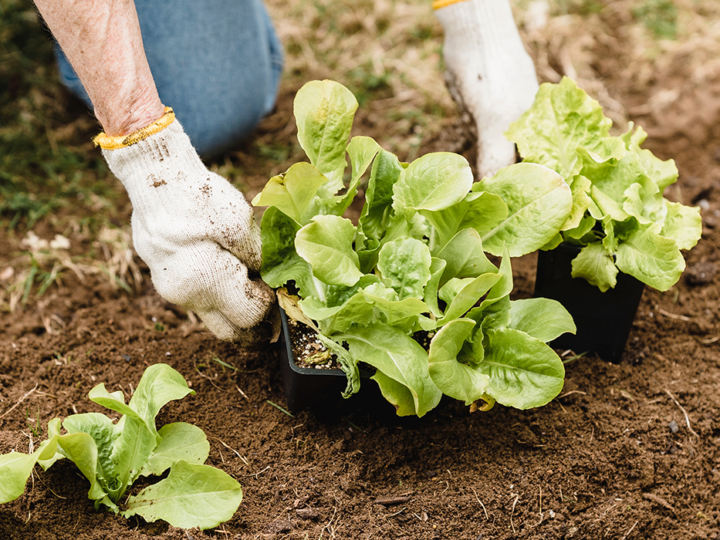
x=226 y=133
x=276 y=61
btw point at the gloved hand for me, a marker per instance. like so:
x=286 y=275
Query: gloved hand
x=489 y=74
x=194 y=230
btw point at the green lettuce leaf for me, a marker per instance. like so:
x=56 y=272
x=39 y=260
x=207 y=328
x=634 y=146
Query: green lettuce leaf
x=294 y=192
x=583 y=232
x=399 y=358
x=581 y=201
x=362 y=151
x=523 y=371
x=178 y=441
x=464 y=257
x=437 y=269
x=385 y=172
x=596 y=265
x=15 y=469
x=653 y=259
x=541 y=318
x=346 y=362
x=459 y=381
x=539 y=203
x=356 y=310
x=683 y=224
x=404 y=266
x=402 y=314
x=480 y=211
x=467 y=295
x=662 y=173
x=433 y=182
x=324 y=112
x=191 y=496
x=326 y=243
x=280 y=261
x=562 y=118
x=397 y=394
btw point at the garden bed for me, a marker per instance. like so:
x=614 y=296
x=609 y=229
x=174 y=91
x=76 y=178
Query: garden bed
x=614 y=434
x=614 y=456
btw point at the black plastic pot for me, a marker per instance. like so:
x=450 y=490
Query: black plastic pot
x=603 y=319
x=307 y=388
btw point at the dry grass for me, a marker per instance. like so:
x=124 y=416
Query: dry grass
x=388 y=53
x=42 y=263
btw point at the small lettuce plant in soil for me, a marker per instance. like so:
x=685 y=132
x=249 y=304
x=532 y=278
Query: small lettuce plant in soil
x=414 y=267
x=113 y=455
x=619 y=217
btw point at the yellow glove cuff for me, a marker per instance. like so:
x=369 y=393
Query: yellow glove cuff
x=106 y=142
x=437 y=4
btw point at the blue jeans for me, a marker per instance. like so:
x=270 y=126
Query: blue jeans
x=217 y=63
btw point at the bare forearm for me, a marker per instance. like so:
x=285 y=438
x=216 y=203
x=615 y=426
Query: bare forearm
x=103 y=43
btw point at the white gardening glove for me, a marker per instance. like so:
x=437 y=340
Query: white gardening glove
x=194 y=230
x=489 y=74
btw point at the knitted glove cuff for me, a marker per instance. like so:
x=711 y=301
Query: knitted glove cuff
x=106 y=142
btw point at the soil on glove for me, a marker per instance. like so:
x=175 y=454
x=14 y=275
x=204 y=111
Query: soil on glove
x=628 y=451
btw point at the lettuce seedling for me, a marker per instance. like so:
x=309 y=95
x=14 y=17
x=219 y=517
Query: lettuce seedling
x=113 y=455
x=415 y=262
x=619 y=217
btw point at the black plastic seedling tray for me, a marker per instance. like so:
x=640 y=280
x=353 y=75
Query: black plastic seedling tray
x=603 y=319
x=308 y=388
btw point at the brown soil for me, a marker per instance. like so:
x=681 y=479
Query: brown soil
x=613 y=457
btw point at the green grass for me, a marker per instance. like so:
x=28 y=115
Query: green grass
x=658 y=16
x=46 y=159
x=580 y=7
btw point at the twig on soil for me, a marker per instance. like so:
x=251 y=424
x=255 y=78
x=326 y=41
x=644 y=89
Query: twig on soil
x=280 y=408
x=673 y=315
x=231 y=449
x=197 y=370
x=710 y=340
x=572 y=392
x=19 y=402
x=31 y=444
x=512 y=512
x=631 y=530
x=255 y=474
x=398 y=512
x=481 y=504
x=243 y=394
x=329 y=524
x=388 y=501
x=50 y=490
x=541 y=512
x=687 y=418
